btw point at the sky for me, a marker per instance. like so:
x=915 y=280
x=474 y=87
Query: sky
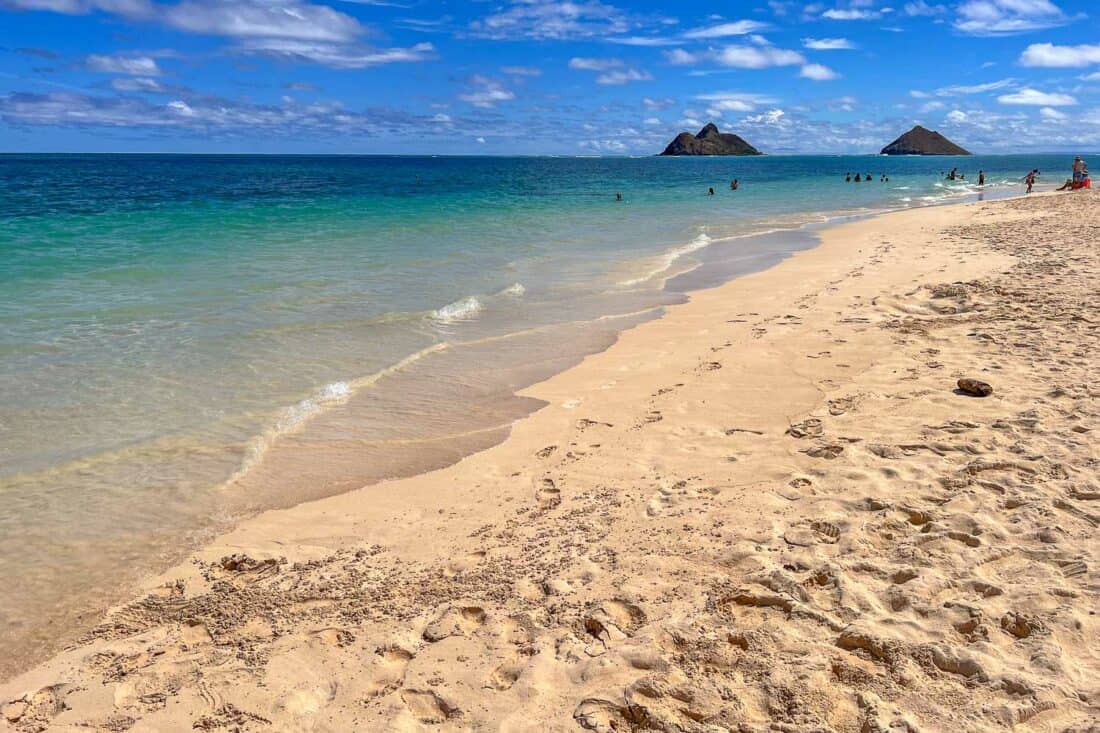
x=558 y=77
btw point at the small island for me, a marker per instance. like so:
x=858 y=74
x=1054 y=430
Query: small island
x=709 y=141
x=922 y=141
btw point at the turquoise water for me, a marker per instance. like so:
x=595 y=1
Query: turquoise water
x=186 y=339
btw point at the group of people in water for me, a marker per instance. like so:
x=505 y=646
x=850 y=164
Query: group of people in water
x=1080 y=178
x=860 y=178
x=734 y=185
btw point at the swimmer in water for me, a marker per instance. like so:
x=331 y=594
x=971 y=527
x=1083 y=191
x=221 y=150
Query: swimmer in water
x=735 y=185
x=710 y=191
x=618 y=197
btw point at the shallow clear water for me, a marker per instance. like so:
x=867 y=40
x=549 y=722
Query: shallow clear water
x=185 y=339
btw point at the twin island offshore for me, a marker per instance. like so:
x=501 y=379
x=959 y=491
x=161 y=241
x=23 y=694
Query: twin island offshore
x=710 y=141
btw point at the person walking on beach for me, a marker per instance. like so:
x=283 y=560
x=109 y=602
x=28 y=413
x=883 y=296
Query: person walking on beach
x=1029 y=179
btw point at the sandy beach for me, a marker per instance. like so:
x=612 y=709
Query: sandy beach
x=769 y=510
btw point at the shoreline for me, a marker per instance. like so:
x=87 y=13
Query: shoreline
x=261 y=445
x=406 y=530
x=467 y=442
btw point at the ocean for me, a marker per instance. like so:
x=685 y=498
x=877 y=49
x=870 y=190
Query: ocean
x=185 y=340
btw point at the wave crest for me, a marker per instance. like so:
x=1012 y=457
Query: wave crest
x=457 y=311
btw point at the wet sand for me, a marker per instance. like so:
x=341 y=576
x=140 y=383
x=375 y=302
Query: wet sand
x=770 y=509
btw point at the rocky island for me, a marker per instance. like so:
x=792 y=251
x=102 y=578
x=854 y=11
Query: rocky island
x=709 y=141
x=922 y=141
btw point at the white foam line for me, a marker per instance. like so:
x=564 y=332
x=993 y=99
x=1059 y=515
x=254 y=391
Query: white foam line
x=460 y=310
x=294 y=418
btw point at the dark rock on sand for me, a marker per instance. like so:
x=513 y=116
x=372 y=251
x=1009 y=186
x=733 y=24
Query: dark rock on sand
x=921 y=141
x=974 y=387
x=709 y=141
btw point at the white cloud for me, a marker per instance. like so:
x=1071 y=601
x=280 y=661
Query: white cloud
x=338 y=56
x=818 y=72
x=1004 y=17
x=1049 y=113
x=828 y=44
x=1050 y=56
x=137 y=84
x=553 y=20
x=1034 y=97
x=651 y=121
x=1094 y=76
x=851 y=14
x=131 y=8
x=618 y=77
x=771 y=117
x=133 y=65
x=658 y=103
x=725 y=30
x=613 y=73
x=238 y=19
x=957 y=116
x=521 y=70
x=757 y=57
x=487 y=93
x=644 y=41
x=719 y=102
x=922 y=8
x=958 y=89
x=605 y=146
x=680 y=57
x=590 y=64
x=290 y=19
x=201 y=113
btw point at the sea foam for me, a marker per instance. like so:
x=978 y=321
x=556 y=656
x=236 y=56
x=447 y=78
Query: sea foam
x=460 y=310
x=665 y=261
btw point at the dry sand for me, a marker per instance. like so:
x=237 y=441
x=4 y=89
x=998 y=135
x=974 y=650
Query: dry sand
x=769 y=510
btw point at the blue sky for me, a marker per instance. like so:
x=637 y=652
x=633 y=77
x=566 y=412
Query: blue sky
x=543 y=76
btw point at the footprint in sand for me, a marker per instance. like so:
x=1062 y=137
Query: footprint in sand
x=455 y=621
x=811 y=427
x=547 y=494
x=508 y=673
x=428 y=707
x=388 y=670
x=613 y=621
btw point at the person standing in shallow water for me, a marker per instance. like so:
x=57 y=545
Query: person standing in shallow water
x=710 y=191
x=981 y=178
x=735 y=184
x=859 y=178
x=848 y=178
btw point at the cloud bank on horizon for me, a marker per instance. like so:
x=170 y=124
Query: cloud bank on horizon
x=543 y=76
